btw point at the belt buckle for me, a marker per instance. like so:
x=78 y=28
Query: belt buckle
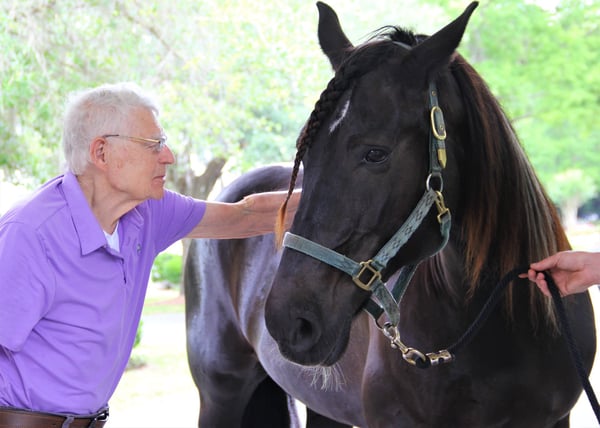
x=102 y=416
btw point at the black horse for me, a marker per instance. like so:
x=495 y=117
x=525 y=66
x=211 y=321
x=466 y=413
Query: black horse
x=405 y=141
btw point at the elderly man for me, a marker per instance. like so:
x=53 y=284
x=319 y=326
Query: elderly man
x=76 y=255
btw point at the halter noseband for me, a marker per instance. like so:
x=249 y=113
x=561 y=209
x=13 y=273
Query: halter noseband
x=367 y=274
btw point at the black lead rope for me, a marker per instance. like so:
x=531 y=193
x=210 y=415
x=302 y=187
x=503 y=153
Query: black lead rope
x=564 y=324
x=487 y=308
x=573 y=350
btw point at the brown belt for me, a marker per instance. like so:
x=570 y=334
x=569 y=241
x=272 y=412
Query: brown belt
x=15 y=418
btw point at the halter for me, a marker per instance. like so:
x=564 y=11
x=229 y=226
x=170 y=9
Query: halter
x=367 y=274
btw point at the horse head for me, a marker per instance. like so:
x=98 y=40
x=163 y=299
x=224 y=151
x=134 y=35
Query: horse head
x=374 y=147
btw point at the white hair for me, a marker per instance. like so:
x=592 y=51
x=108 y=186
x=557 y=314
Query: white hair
x=98 y=111
x=326 y=378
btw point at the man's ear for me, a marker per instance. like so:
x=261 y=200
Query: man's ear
x=98 y=152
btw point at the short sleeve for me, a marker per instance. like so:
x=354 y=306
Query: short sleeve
x=25 y=283
x=175 y=216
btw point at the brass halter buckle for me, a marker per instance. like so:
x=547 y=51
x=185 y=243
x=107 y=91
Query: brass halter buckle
x=441 y=206
x=366 y=268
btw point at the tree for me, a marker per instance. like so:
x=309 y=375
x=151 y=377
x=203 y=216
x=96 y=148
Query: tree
x=571 y=189
x=237 y=78
x=205 y=67
x=540 y=63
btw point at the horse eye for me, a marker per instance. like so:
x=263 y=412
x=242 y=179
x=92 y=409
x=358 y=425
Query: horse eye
x=376 y=156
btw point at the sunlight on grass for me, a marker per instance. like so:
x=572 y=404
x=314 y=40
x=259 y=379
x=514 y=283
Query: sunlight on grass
x=165 y=301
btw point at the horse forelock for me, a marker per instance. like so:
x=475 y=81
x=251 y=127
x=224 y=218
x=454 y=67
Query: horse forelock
x=508 y=219
x=396 y=34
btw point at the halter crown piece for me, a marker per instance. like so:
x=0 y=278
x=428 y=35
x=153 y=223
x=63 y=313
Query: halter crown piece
x=367 y=274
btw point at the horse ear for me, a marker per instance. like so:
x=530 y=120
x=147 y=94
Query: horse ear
x=436 y=51
x=332 y=39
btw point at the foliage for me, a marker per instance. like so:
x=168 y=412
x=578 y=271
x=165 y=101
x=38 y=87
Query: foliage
x=138 y=334
x=167 y=268
x=136 y=361
x=571 y=189
x=571 y=184
x=221 y=70
x=238 y=78
x=540 y=62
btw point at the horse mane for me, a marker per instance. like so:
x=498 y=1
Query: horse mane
x=511 y=220
x=508 y=219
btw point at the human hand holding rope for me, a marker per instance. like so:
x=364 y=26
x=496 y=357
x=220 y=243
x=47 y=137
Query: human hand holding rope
x=572 y=271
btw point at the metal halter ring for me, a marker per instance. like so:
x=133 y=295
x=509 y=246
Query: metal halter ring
x=435 y=175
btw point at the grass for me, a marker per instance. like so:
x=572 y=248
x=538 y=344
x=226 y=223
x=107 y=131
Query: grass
x=170 y=302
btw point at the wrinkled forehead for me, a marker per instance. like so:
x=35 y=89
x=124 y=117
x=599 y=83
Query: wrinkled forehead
x=142 y=120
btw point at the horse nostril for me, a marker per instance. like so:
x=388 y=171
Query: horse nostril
x=303 y=327
x=304 y=334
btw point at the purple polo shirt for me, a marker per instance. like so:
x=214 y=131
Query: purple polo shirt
x=69 y=304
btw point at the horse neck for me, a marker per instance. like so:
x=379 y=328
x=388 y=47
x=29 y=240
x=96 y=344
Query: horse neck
x=444 y=274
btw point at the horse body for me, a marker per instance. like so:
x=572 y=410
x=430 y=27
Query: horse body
x=264 y=325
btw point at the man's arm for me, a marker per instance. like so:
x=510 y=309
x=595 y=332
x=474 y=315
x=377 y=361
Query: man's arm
x=253 y=215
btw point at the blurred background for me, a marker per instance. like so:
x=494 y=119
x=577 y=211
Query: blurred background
x=237 y=80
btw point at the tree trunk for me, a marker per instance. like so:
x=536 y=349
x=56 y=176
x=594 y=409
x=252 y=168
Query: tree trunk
x=569 y=212
x=199 y=187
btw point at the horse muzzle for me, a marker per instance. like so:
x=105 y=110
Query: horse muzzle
x=301 y=331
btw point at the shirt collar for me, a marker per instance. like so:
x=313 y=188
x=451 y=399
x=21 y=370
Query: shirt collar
x=90 y=233
x=86 y=225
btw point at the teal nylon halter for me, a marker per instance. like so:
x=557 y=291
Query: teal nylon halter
x=367 y=274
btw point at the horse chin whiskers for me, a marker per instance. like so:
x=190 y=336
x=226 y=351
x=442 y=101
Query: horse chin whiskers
x=326 y=378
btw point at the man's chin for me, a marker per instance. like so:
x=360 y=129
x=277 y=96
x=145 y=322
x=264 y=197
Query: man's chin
x=158 y=193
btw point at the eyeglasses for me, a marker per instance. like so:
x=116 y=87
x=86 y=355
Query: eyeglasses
x=155 y=144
